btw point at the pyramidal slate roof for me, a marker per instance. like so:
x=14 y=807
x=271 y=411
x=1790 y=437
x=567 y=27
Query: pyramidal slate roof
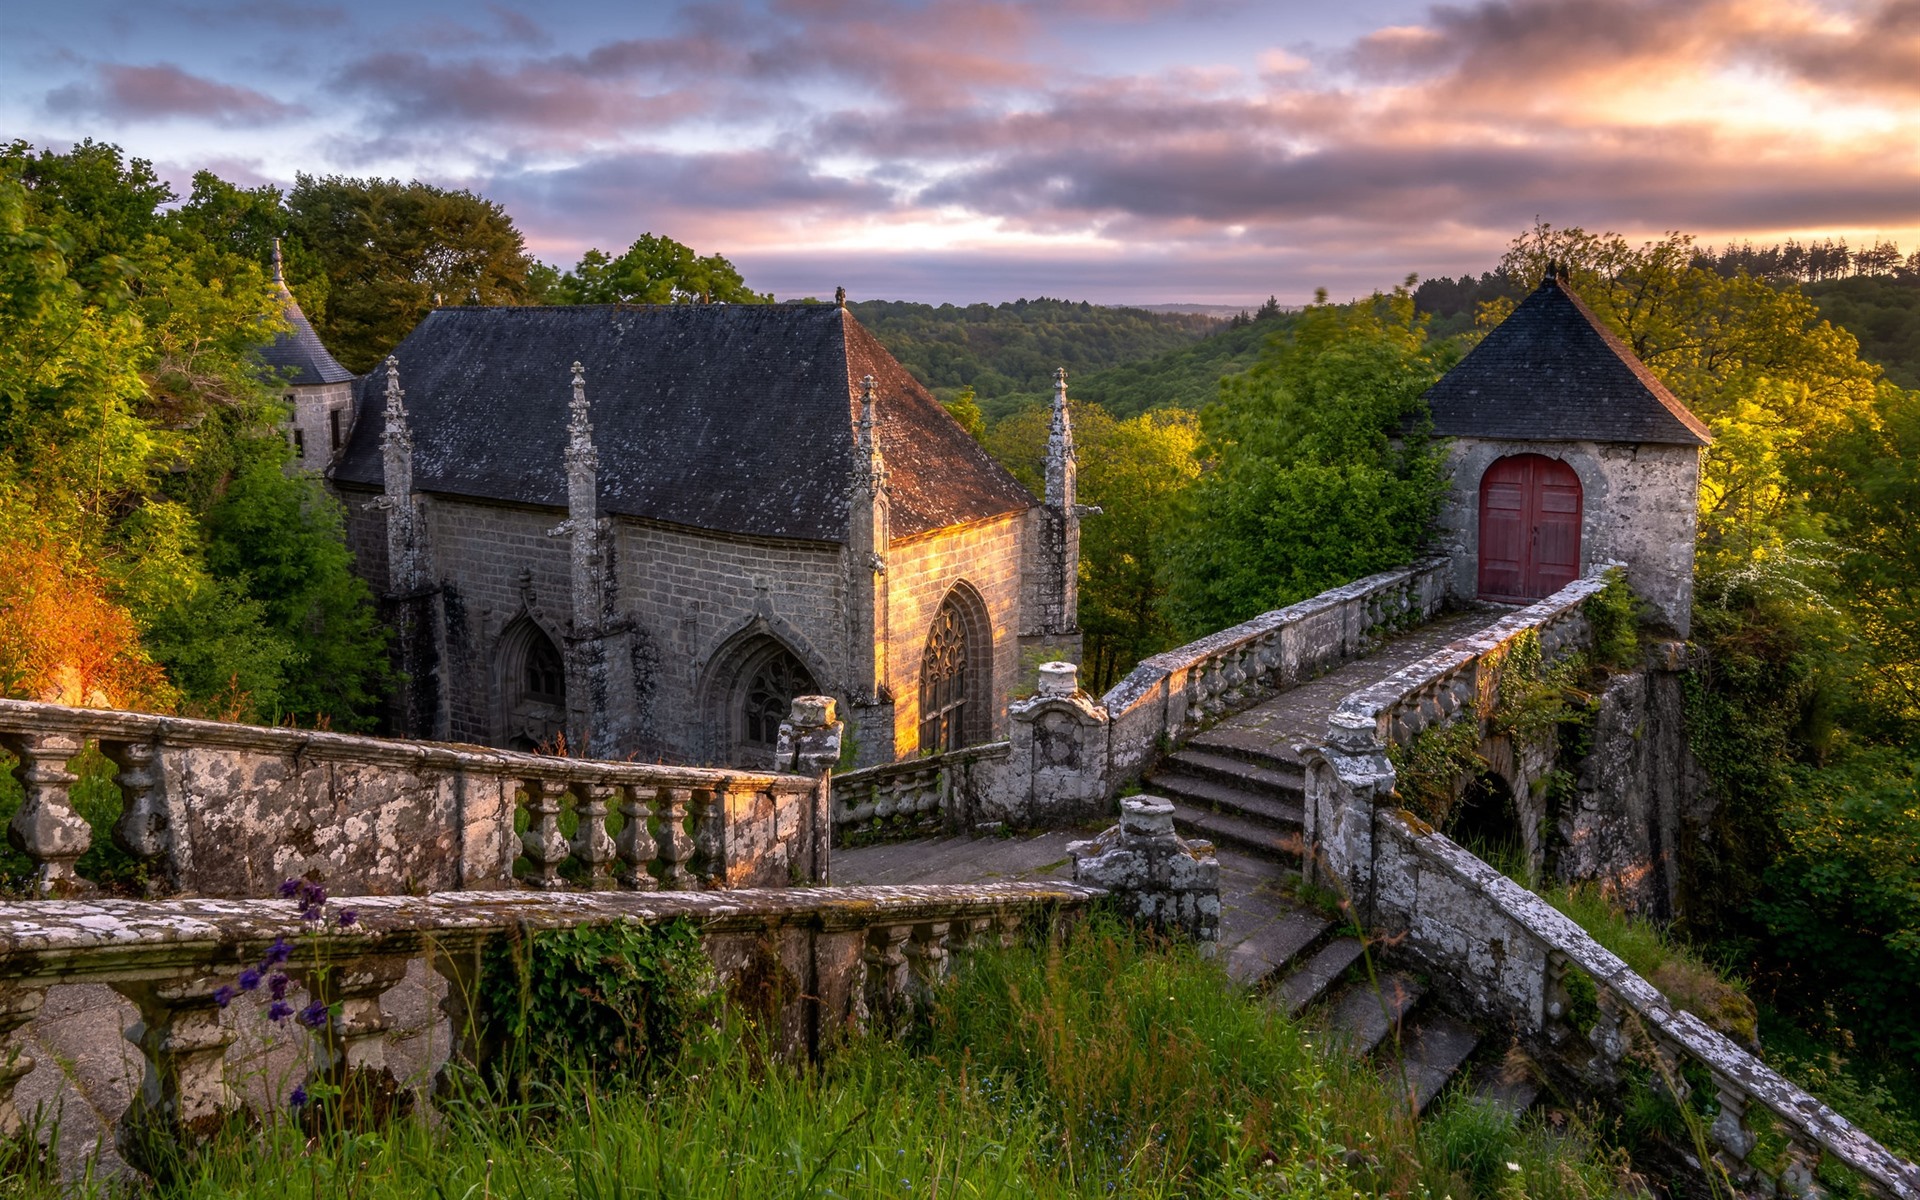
x=734 y=418
x=297 y=356
x=1552 y=372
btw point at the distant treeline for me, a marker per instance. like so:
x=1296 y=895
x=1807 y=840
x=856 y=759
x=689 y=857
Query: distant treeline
x=999 y=350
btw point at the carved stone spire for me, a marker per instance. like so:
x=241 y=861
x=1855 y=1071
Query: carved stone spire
x=582 y=525
x=1063 y=484
x=869 y=540
x=870 y=466
x=279 y=274
x=404 y=568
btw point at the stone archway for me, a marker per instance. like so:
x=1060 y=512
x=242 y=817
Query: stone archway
x=530 y=677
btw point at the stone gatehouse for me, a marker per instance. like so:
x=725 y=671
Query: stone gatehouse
x=646 y=529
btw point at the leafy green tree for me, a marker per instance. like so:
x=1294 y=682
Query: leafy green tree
x=393 y=252
x=281 y=540
x=1322 y=471
x=966 y=410
x=1137 y=472
x=657 y=270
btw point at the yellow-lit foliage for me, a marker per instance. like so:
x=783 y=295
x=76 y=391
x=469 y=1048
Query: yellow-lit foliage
x=64 y=640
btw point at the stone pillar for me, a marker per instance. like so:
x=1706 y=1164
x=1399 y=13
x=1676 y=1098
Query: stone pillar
x=1050 y=600
x=1347 y=779
x=145 y=828
x=1057 y=764
x=869 y=541
x=1156 y=878
x=810 y=745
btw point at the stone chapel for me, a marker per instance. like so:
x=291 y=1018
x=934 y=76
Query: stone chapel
x=1566 y=452
x=642 y=530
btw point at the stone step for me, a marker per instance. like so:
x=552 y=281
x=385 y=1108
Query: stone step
x=1289 y=778
x=1312 y=978
x=1365 y=1016
x=1434 y=1046
x=1260 y=807
x=1225 y=829
x=1262 y=749
x=1274 y=944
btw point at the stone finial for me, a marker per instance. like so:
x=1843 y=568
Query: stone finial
x=580 y=451
x=279 y=275
x=1059 y=679
x=840 y=296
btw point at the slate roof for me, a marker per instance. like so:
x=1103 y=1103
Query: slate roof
x=297 y=356
x=735 y=418
x=1552 y=372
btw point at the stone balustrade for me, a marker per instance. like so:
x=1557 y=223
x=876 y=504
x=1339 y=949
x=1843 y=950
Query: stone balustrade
x=1463 y=676
x=853 y=955
x=1175 y=693
x=938 y=793
x=217 y=809
x=1502 y=952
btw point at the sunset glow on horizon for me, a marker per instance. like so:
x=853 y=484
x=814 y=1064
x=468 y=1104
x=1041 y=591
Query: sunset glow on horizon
x=1211 y=151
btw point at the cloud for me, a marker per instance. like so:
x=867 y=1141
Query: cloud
x=164 y=92
x=279 y=14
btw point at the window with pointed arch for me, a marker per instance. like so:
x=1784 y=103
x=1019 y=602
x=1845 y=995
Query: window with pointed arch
x=952 y=677
x=772 y=678
x=533 y=688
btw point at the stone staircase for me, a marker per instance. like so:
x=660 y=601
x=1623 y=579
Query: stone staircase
x=1240 y=784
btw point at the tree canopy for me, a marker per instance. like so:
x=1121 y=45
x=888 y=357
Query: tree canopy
x=654 y=270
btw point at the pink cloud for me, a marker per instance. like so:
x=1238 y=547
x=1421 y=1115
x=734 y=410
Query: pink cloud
x=163 y=92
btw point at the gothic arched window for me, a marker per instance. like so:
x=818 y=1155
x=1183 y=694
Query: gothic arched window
x=943 y=682
x=546 y=677
x=771 y=686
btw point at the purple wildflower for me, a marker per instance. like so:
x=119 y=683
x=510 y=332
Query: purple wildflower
x=313 y=1016
x=348 y=916
x=279 y=952
x=277 y=987
x=299 y=1096
x=279 y=1010
x=250 y=979
x=289 y=887
x=310 y=914
x=224 y=994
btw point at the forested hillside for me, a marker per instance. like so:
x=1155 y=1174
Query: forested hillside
x=1000 y=350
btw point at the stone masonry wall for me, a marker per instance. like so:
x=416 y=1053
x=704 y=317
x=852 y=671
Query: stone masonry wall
x=689 y=595
x=311 y=405
x=920 y=573
x=1639 y=506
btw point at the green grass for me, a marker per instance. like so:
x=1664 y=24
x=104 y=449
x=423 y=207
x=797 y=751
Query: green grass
x=1093 y=1068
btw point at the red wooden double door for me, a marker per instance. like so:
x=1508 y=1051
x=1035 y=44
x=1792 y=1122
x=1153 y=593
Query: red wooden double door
x=1529 y=528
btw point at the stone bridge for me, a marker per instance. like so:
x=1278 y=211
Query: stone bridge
x=1269 y=742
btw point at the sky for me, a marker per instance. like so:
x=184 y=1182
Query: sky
x=1119 y=151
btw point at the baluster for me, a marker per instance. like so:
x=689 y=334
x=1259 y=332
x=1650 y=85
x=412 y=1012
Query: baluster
x=350 y=1050
x=1730 y=1130
x=18 y=1004
x=675 y=846
x=184 y=1097
x=542 y=843
x=1797 y=1179
x=636 y=844
x=927 y=959
x=970 y=933
x=886 y=975
x=592 y=845
x=45 y=827
x=145 y=825
x=710 y=836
